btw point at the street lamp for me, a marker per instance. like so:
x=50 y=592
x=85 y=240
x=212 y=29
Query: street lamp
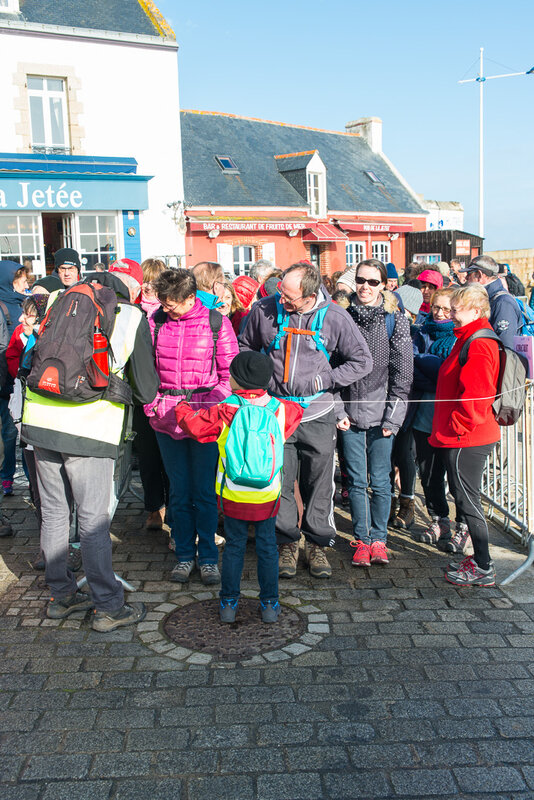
x=481 y=79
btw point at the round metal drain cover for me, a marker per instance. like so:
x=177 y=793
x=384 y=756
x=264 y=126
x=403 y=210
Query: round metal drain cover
x=198 y=627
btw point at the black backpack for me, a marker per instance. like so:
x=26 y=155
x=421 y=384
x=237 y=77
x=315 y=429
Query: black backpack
x=72 y=356
x=513 y=373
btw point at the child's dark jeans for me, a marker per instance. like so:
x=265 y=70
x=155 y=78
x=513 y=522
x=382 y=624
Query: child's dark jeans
x=236 y=533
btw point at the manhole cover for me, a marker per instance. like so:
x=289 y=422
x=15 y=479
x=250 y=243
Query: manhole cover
x=198 y=627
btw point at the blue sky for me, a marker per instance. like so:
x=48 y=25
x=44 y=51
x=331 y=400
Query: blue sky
x=325 y=62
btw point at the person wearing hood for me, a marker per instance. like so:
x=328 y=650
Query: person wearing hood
x=302 y=372
x=375 y=406
x=13 y=285
x=67 y=266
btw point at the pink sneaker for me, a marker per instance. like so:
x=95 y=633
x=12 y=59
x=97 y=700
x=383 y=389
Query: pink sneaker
x=379 y=554
x=361 y=557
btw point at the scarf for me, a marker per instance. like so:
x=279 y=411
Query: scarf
x=441 y=335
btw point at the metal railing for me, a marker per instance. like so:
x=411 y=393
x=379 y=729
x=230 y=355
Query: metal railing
x=508 y=481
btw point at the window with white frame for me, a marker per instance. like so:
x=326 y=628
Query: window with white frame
x=98 y=239
x=19 y=237
x=382 y=251
x=314 y=193
x=244 y=257
x=48 y=114
x=354 y=253
x=427 y=258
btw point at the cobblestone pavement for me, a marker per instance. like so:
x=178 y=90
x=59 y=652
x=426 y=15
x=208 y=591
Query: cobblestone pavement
x=401 y=687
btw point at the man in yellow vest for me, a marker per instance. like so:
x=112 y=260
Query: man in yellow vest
x=76 y=445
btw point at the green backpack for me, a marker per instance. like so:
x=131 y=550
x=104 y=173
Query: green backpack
x=254 y=447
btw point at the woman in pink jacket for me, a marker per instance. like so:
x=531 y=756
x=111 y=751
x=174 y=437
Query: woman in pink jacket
x=193 y=348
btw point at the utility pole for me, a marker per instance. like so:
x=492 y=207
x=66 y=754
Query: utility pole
x=481 y=79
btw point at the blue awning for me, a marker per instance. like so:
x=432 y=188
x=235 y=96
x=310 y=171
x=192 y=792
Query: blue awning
x=81 y=165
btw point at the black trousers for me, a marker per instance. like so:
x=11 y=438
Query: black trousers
x=432 y=474
x=403 y=457
x=309 y=459
x=151 y=470
x=464 y=471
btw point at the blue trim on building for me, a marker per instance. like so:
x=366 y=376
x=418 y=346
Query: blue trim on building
x=132 y=244
x=39 y=162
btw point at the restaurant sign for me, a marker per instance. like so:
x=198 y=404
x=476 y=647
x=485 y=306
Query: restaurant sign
x=252 y=227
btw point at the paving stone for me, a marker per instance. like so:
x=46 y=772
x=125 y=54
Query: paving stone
x=112 y=698
x=267 y=694
x=143 y=789
x=376 y=755
x=221 y=736
x=515 y=727
x=19 y=792
x=503 y=752
x=278 y=734
x=446 y=755
x=466 y=729
x=489 y=779
x=423 y=782
x=417 y=709
x=75 y=680
x=403 y=731
x=120 y=765
x=299 y=759
x=176 y=717
x=10 y=766
x=210 y=696
x=125 y=718
x=79 y=790
x=348 y=732
x=13 y=721
x=185 y=678
x=185 y=762
x=67 y=720
x=239 y=712
x=225 y=786
x=353 y=786
x=55 y=767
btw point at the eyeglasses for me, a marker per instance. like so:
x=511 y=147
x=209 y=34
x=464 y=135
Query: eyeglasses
x=445 y=309
x=283 y=295
x=168 y=308
x=374 y=282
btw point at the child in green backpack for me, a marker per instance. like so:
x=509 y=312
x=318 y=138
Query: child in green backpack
x=248 y=481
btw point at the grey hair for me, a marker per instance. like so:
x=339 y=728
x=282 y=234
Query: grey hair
x=129 y=282
x=261 y=269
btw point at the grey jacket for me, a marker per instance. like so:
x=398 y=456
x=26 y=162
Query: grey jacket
x=380 y=398
x=309 y=370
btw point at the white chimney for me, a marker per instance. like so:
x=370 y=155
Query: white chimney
x=371 y=130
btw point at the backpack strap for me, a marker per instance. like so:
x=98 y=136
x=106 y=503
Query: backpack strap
x=282 y=319
x=483 y=333
x=216 y=319
x=160 y=317
x=390 y=323
x=5 y=311
x=283 y=328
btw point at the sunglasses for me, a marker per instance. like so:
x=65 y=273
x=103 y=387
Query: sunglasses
x=374 y=282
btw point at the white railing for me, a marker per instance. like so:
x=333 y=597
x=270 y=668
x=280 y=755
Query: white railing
x=508 y=480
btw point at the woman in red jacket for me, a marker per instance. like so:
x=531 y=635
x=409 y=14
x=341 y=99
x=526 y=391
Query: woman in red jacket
x=465 y=427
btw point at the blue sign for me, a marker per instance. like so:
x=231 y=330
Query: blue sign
x=41 y=193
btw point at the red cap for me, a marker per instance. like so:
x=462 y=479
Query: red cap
x=431 y=276
x=129 y=267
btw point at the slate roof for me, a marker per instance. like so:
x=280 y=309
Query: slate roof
x=124 y=16
x=252 y=144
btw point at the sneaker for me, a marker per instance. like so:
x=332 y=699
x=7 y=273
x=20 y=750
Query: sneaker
x=317 y=561
x=454 y=566
x=7 y=487
x=227 y=610
x=5 y=527
x=182 y=571
x=209 y=574
x=288 y=555
x=457 y=542
x=269 y=611
x=431 y=534
x=379 y=553
x=61 y=607
x=74 y=558
x=362 y=556
x=406 y=513
x=468 y=573
x=104 y=621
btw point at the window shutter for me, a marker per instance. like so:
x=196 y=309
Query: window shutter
x=268 y=253
x=225 y=257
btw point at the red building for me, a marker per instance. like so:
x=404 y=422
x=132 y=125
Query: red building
x=258 y=189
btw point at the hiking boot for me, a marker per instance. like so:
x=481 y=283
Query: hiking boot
x=468 y=573
x=209 y=574
x=379 y=554
x=406 y=513
x=457 y=542
x=288 y=556
x=392 y=512
x=270 y=611
x=182 y=571
x=227 y=610
x=104 y=621
x=317 y=561
x=5 y=527
x=154 y=521
x=61 y=607
x=74 y=558
x=362 y=556
x=7 y=487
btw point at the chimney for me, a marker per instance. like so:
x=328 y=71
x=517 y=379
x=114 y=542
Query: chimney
x=371 y=130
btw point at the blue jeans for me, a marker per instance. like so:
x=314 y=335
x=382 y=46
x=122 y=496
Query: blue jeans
x=236 y=533
x=9 y=435
x=368 y=457
x=192 y=501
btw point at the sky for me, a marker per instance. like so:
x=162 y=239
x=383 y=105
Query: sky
x=323 y=63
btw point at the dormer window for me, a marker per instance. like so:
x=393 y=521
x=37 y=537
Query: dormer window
x=227 y=165
x=316 y=186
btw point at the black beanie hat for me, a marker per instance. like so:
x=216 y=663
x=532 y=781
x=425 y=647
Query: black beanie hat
x=251 y=370
x=66 y=255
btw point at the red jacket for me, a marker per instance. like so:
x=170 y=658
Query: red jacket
x=207 y=424
x=459 y=419
x=14 y=350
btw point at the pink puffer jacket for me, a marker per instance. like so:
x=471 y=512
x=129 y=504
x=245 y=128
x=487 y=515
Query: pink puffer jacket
x=183 y=361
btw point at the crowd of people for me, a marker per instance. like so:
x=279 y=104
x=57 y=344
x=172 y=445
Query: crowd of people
x=273 y=372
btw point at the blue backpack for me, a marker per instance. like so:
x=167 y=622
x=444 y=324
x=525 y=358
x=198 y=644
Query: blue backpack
x=527 y=315
x=254 y=446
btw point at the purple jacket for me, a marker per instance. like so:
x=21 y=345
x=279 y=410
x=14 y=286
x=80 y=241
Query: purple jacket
x=183 y=361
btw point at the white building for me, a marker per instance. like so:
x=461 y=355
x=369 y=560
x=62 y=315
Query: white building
x=443 y=214
x=90 y=153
